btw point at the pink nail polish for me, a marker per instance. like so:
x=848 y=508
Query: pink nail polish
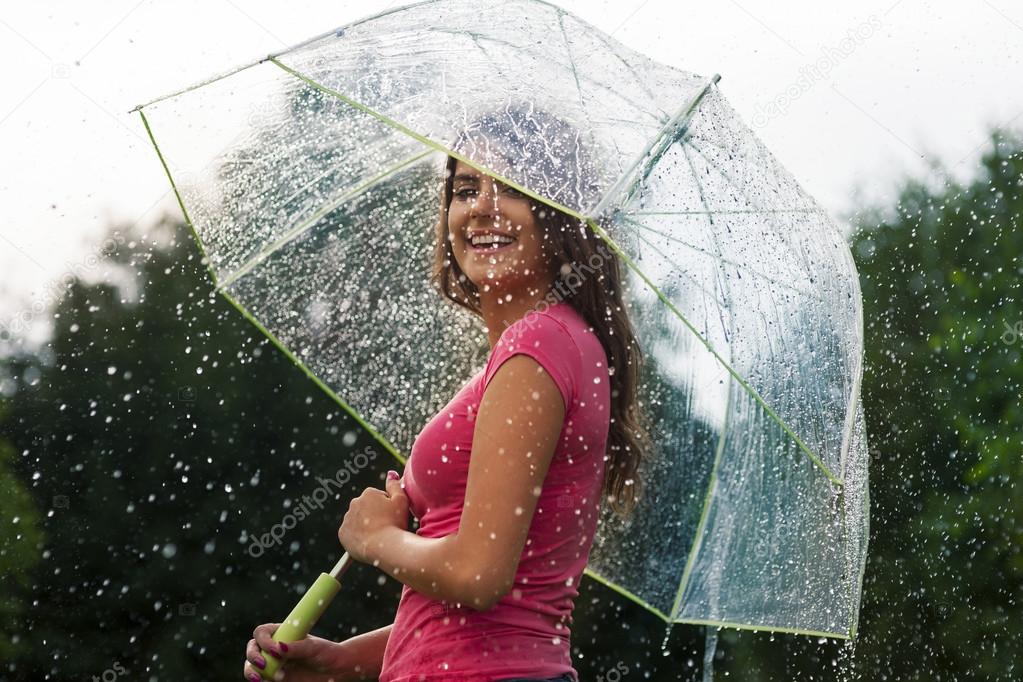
x=284 y=647
x=254 y=677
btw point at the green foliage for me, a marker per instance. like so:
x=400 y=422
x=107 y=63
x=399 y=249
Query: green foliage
x=21 y=541
x=162 y=432
x=942 y=281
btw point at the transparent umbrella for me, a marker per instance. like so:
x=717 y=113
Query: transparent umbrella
x=311 y=178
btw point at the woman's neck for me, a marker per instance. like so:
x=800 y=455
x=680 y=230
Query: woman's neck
x=499 y=313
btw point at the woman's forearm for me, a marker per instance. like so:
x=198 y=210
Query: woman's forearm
x=361 y=657
x=432 y=567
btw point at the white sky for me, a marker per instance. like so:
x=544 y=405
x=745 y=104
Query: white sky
x=922 y=78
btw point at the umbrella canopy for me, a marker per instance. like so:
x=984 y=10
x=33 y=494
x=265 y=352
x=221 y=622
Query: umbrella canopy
x=311 y=181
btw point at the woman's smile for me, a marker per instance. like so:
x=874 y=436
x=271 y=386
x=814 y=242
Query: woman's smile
x=488 y=241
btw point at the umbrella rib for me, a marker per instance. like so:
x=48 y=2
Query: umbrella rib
x=697 y=136
x=742 y=382
x=741 y=192
x=319 y=382
x=578 y=86
x=712 y=485
x=251 y=318
x=642 y=83
x=699 y=189
x=607 y=582
x=855 y=616
x=854 y=397
x=571 y=60
x=432 y=143
x=308 y=223
x=603 y=86
x=287 y=50
x=728 y=211
x=619 y=122
x=763 y=628
x=710 y=222
x=779 y=235
x=684 y=274
x=575 y=72
x=177 y=195
x=735 y=264
x=852 y=421
x=653 y=151
x=298 y=192
x=476 y=41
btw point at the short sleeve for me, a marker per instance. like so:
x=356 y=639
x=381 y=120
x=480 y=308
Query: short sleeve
x=546 y=340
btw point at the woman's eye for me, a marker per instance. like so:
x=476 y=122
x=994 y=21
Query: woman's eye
x=465 y=192
x=514 y=192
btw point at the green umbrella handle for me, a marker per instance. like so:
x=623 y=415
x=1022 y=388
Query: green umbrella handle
x=306 y=612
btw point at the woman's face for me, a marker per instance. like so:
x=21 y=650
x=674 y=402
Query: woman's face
x=494 y=235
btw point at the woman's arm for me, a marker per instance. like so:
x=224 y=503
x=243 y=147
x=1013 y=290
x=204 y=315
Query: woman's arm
x=517 y=428
x=361 y=657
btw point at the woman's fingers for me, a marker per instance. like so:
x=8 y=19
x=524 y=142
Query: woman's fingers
x=254 y=656
x=250 y=673
x=264 y=639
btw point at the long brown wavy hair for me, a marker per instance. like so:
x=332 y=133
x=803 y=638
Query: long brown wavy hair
x=574 y=247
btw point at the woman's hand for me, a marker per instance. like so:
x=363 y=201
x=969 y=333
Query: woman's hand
x=370 y=516
x=310 y=659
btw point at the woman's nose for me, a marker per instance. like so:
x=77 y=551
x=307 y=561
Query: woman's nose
x=485 y=202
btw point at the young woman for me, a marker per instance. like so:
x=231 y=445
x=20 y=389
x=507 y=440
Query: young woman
x=507 y=480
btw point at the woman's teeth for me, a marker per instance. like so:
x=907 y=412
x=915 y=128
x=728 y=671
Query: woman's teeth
x=490 y=241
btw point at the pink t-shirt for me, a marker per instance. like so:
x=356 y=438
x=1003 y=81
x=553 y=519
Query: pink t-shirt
x=526 y=634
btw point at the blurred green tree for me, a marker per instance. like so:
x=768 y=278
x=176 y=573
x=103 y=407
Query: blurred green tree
x=21 y=538
x=160 y=436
